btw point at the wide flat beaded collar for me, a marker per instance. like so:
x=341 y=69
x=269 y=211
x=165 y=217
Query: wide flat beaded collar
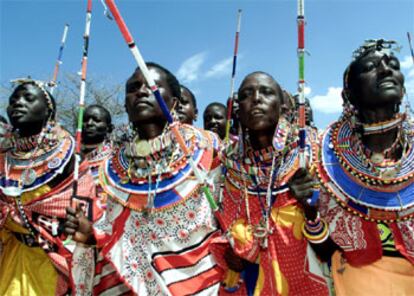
x=237 y=170
x=44 y=168
x=99 y=154
x=174 y=187
x=373 y=202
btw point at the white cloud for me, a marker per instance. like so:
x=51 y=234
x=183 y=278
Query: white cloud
x=329 y=103
x=407 y=68
x=407 y=62
x=220 y=69
x=308 y=90
x=190 y=69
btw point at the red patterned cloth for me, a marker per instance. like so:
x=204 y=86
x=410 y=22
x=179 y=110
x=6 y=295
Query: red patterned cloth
x=358 y=238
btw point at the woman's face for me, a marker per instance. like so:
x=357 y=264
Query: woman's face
x=140 y=102
x=376 y=81
x=95 y=125
x=259 y=102
x=27 y=105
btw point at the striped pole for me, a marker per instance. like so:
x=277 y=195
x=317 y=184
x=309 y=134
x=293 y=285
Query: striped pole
x=233 y=74
x=78 y=144
x=53 y=83
x=301 y=82
x=411 y=45
x=173 y=125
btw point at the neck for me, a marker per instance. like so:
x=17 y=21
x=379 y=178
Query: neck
x=377 y=114
x=88 y=147
x=261 y=139
x=33 y=129
x=381 y=141
x=149 y=130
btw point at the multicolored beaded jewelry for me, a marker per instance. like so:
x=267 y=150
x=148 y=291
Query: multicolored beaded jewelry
x=159 y=182
x=345 y=175
x=261 y=173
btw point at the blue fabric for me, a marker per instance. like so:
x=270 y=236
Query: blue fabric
x=250 y=275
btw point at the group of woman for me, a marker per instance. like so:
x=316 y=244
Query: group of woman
x=141 y=222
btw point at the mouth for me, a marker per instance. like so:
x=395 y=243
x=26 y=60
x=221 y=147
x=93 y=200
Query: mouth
x=18 y=113
x=142 y=103
x=256 y=111
x=387 y=83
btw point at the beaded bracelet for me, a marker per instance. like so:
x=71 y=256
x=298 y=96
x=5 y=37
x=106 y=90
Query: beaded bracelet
x=316 y=235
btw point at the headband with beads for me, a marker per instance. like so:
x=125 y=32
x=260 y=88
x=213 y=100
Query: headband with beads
x=40 y=84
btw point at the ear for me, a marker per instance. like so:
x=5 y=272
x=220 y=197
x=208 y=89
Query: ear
x=345 y=95
x=110 y=128
x=196 y=114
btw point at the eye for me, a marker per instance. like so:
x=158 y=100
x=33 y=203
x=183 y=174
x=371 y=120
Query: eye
x=393 y=63
x=29 y=97
x=245 y=94
x=368 y=66
x=267 y=91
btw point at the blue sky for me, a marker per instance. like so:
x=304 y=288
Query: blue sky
x=194 y=39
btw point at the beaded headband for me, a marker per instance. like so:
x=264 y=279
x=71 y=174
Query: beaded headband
x=387 y=47
x=41 y=85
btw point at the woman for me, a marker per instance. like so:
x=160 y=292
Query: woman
x=96 y=145
x=366 y=172
x=35 y=188
x=158 y=225
x=262 y=218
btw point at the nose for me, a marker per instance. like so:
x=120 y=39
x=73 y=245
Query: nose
x=384 y=67
x=256 y=96
x=144 y=89
x=89 y=121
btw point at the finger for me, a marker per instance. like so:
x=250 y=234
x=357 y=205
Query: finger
x=69 y=231
x=303 y=187
x=70 y=211
x=71 y=224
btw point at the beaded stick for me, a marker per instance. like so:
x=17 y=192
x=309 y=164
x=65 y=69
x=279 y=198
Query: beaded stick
x=78 y=135
x=82 y=95
x=174 y=127
x=233 y=74
x=59 y=62
x=301 y=82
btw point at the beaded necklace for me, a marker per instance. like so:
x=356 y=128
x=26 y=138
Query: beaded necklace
x=356 y=187
x=383 y=126
x=378 y=169
x=249 y=173
x=156 y=182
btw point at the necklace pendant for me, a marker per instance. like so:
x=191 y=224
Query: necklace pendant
x=13 y=191
x=143 y=148
x=377 y=158
x=125 y=180
x=389 y=173
x=28 y=177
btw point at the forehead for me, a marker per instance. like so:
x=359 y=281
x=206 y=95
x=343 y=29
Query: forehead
x=156 y=74
x=95 y=111
x=27 y=87
x=258 y=79
x=185 y=93
x=215 y=109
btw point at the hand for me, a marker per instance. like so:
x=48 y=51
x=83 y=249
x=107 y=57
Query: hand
x=78 y=226
x=233 y=261
x=302 y=186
